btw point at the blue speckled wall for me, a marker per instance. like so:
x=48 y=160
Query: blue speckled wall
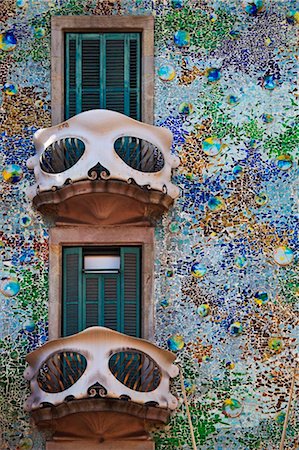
x=226 y=284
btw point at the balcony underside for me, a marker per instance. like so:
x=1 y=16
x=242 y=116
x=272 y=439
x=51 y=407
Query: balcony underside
x=100 y=420
x=88 y=444
x=103 y=202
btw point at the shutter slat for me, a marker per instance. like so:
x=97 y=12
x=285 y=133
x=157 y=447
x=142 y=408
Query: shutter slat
x=70 y=75
x=91 y=315
x=130 y=277
x=90 y=62
x=72 y=103
x=133 y=64
x=90 y=100
x=111 y=302
x=134 y=110
x=92 y=291
x=72 y=290
x=114 y=67
x=116 y=101
x=134 y=99
x=72 y=325
x=72 y=267
x=90 y=74
x=72 y=63
x=91 y=300
x=115 y=70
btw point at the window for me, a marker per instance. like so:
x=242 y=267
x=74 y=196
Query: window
x=73 y=240
x=102 y=62
x=102 y=70
x=101 y=286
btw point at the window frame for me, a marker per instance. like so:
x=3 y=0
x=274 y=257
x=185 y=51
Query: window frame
x=85 y=236
x=98 y=24
x=82 y=302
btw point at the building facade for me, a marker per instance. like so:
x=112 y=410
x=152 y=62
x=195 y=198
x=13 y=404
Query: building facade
x=203 y=264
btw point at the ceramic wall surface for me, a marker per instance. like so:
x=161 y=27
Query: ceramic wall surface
x=225 y=285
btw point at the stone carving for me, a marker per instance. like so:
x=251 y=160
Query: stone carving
x=91 y=136
x=99 y=346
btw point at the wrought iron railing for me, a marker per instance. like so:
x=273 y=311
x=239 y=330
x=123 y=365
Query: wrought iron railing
x=135 y=370
x=61 y=371
x=139 y=154
x=61 y=155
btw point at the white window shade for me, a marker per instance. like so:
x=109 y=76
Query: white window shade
x=102 y=263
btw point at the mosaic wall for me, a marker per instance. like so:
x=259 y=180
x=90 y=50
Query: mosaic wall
x=226 y=285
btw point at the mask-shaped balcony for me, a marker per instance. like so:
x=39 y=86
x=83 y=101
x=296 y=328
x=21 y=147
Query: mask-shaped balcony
x=100 y=386
x=103 y=167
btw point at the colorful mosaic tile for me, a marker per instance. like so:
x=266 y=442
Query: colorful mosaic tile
x=226 y=285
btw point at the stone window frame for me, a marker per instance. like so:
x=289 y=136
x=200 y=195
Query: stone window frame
x=83 y=236
x=95 y=24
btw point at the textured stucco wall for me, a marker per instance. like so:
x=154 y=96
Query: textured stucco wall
x=226 y=86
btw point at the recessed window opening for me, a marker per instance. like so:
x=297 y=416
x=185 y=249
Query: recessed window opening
x=103 y=70
x=102 y=287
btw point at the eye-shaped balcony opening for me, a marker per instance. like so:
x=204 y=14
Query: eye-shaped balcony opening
x=62 y=155
x=139 y=154
x=135 y=370
x=61 y=371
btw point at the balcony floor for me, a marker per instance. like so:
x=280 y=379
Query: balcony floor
x=91 y=445
x=100 y=420
x=102 y=202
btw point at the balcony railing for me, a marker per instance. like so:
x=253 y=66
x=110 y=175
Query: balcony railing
x=100 y=363
x=102 y=144
x=139 y=154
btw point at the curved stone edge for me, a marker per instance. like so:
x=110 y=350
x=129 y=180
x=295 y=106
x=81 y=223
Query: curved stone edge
x=103 y=186
x=99 y=129
x=148 y=413
x=97 y=344
x=102 y=202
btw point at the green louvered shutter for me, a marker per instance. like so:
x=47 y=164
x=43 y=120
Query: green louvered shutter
x=90 y=73
x=105 y=299
x=71 y=69
x=102 y=71
x=72 y=290
x=111 y=303
x=130 y=288
x=91 y=303
x=101 y=300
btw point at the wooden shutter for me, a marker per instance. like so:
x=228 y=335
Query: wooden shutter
x=91 y=299
x=101 y=301
x=130 y=289
x=71 y=73
x=72 y=290
x=121 y=62
x=82 y=73
x=102 y=71
x=90 y=73
x=111 y=302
